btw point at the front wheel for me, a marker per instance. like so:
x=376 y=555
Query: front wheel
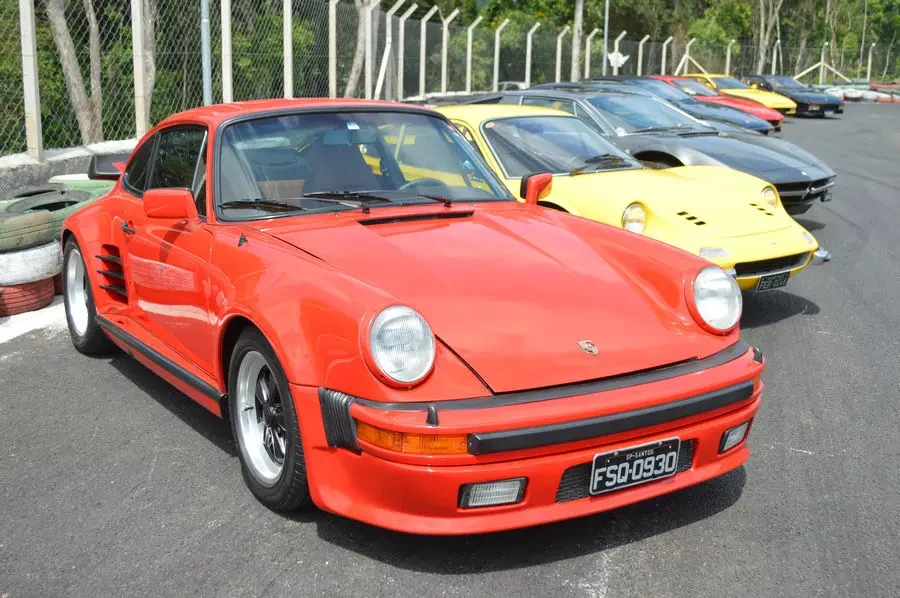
x=265 y=425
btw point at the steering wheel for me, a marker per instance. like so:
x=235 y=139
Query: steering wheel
x=426 y=182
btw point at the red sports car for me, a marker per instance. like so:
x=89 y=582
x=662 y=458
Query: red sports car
x=392 y=336
x=702 y=93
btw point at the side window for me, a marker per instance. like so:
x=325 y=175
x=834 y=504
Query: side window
x=199 y=186
x=135 y=178
x=533 y=101
x=176 y=158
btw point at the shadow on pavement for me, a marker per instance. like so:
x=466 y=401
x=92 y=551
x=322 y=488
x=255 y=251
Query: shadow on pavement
x=537 y=545
x=183 y=407
x=810 y=225
x=771 y=307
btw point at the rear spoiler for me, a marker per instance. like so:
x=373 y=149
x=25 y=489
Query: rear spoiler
x=107 y=167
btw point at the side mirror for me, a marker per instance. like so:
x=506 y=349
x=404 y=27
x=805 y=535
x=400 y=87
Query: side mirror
x=108 y=167
x=535 y=187
x=174 y=204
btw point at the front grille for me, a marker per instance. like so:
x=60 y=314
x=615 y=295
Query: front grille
x=575 y=482
x=793 y=192
x=777 y=264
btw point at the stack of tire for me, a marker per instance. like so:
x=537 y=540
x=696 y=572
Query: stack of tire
x=30 y=258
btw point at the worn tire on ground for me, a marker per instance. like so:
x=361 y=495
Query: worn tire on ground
x=31 y=265
x=22 y=231
x=17 y=299
x=60 y=204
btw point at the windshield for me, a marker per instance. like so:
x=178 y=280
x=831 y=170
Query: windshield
x=782 y=82
x=694 y=88
x=557 y=144
x=661 y=89
x=729 y=83
x=327 y=161
x=634 y=113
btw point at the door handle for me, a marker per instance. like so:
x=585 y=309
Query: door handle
x=127 y=229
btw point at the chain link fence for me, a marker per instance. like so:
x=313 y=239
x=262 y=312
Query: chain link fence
x=86 y=71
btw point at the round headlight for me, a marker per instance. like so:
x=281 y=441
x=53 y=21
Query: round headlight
x=634 y=218
x=770 y=196
x=716 y=300
x=401 y=344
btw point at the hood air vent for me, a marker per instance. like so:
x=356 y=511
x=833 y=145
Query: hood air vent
x=415 y=218
x=762 y=209
x=687 y=216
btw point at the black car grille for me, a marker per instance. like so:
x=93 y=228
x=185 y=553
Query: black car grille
x=806 y=191
x=575 y=482
x=777 y=264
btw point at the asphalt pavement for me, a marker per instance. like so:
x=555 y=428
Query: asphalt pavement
x=113 y=483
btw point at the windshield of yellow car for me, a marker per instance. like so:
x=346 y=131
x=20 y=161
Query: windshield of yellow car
x=556 y=144
x=694 y=88
x=633 y=113
x=729 y=83
x=326 y=161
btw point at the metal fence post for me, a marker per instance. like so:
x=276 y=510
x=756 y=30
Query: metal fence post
x=559 y=39
x=388 y=43
x=529 y=41
x=287 y=22
x=665 y=46
x=227 y=71
x=141 y=109
x=33 y=137
x=869 y=64
x=728 y=57
x=401 y=33
x=640 y=64
x=369 y=50
x=469 y=31
x=445 y=38
x=616 y=50
x=332 y=48
x=497 y=53
x=423 y=35
x=587 y=52
x=206 y=53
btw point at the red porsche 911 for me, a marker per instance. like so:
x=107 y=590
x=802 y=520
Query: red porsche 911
x=396 y=339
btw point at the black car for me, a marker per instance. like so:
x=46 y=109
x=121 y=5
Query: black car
x=702 y=110
x=809 y=102
x=662 y=136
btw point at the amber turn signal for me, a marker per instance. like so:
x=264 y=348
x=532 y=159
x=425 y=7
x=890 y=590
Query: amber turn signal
x=416 y=444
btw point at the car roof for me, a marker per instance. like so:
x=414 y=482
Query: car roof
x=215 y=114
x=580 y=92
x=477 y=113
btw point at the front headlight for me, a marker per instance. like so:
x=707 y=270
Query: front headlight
x=715 y=300
x=401 y=345
x=634 y=218
x=770 y=196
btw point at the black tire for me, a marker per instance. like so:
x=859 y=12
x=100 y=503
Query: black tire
x=60 y=204
x=93 y=341
x=290 y=491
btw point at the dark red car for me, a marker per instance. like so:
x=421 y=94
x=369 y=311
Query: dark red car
x=702 y=93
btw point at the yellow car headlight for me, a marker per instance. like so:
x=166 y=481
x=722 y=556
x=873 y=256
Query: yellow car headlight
x=770 y=196
x=634 y=218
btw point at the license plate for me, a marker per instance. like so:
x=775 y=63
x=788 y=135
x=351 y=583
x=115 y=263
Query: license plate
x=773 y=281
x=635 y=465
x=814 y=106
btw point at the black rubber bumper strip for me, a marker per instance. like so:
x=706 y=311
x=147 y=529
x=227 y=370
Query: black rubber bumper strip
x=169 y=366
x=527 y=438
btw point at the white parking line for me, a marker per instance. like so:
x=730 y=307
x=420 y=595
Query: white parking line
x=52 y=318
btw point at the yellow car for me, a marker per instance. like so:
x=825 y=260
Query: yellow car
x=729 y=85
x=733 y=219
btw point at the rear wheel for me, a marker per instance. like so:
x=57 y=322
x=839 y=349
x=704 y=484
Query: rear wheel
x=265 y=425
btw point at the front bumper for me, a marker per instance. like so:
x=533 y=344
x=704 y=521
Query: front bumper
x=817 y=109
x=420 y=494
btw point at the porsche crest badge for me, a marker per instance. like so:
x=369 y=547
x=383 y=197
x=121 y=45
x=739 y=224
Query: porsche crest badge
x=588 y=347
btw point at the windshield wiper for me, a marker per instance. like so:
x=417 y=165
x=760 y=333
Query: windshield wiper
x=261 y=203
x=354 y=199
x=598 y=160
x=657 y=129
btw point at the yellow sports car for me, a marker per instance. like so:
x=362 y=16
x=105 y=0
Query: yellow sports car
x=733 y=87
x=732 y=219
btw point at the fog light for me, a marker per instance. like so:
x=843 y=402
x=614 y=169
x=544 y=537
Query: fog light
x=486 y=494
x=733 y=437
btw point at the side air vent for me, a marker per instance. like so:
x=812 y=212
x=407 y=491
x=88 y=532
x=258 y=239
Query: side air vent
x=415 y=218
x=112 y=274
x=690 y=218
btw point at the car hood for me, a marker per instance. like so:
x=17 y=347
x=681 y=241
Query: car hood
x=513 y=289
x=697 y=203
x=724 y=113
x=809 y=97
x=768 y=158
x=768 y=98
